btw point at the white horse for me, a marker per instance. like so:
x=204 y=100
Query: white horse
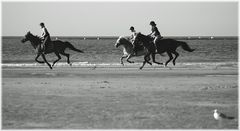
x=128 y=50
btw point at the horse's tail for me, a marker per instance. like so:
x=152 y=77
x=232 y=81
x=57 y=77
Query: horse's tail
x=70 y=46
x=185 y=46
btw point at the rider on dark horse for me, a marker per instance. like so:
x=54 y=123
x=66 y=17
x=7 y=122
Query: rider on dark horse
x=45 y=37
x=155 y=34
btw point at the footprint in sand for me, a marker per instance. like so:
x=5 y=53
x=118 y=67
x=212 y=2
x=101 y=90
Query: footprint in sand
x=18 y=82
x=44 y=83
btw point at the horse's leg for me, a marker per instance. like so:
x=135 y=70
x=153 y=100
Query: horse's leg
x=129 y=56
x=145 y=60
x=148 y=59
x=36 y=59
x=67 y=55
x=170 y=58
x=176 y=56
x=44 y=58
x=121 y=59
x=154 y=61
x=59 y=57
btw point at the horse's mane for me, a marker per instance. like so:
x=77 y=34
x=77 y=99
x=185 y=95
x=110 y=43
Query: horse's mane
x=144 y=36
x=38 y=37
x=122 y=38
x=35 y=37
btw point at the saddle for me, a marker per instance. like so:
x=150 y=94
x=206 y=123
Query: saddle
x=48 y=48
x=139 y=47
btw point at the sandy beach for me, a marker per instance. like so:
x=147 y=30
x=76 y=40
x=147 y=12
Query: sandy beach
x=118 y=98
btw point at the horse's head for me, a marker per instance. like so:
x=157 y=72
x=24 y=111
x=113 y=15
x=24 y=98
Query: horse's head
x=120 y=41
x=27 y=37
x=30 y=37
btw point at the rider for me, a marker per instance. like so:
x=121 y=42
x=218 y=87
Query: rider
x=45 y=37
x=132 y=38
x=155 y=34
x=133 y=35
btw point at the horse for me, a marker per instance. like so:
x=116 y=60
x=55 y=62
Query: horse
x=58 y=47
x=164 y=45
x=128 y=50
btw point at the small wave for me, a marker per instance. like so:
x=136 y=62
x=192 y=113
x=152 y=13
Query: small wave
x=128 y=65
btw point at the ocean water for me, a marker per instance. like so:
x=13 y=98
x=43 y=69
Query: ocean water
x=104 y=51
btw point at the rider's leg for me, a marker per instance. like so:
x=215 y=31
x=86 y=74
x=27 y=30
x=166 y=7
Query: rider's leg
x=134 y=48
x=45 y=42
x=154 y=41
x=44 y=45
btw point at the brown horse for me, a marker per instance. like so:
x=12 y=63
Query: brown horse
x=163 y=45
x=58 y=47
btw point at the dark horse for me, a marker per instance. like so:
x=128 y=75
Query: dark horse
x=58 y=47
x=163 y=45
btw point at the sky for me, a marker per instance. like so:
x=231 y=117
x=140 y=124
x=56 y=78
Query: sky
x=81 y=18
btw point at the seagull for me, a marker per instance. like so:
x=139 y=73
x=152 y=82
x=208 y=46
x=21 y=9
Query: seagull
x=218 y=116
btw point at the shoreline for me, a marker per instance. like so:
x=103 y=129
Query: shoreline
x=207 y=65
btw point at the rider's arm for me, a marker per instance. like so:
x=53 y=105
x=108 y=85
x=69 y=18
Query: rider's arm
x=150 y=34
x=131 y=37
x=43 y=33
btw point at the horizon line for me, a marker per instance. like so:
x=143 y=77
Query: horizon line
x=87 y=36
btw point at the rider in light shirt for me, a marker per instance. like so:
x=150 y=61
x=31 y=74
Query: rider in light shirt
x=45 y=37
x=132 y=38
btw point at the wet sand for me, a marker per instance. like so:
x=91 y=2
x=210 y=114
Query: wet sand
x=118 y=98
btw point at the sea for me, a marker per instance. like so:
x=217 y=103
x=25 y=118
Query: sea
x=100 y=51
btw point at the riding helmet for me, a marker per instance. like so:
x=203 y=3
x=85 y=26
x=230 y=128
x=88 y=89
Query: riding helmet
x=131 y=28
x=152 y=23
x=41 y=24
